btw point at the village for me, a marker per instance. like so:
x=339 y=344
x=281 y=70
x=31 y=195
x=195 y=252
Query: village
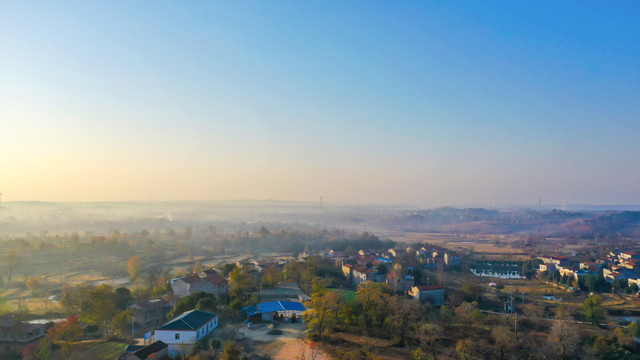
x=227 y=304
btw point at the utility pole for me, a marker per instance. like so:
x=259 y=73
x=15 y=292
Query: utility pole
x=132 y=327
x=508 y=305
x=515 y=326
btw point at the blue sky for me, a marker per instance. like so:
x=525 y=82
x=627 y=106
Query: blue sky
x=423 y=103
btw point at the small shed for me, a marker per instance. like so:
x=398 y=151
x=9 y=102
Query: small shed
x=281 y=310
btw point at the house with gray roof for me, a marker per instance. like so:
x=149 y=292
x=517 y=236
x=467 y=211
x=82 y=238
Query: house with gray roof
x=189 y=285
x=183 y=332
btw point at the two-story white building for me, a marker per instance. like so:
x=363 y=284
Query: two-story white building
x=182 y=333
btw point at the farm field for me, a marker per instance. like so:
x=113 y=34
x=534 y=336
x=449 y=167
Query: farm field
x=98 y=350
x=491 y=246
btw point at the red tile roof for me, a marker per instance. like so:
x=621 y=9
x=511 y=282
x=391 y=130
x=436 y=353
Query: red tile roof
x=366 y=259
x=215 y=279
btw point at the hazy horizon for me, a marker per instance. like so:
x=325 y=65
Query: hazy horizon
x=422 y=104
x=339 y=205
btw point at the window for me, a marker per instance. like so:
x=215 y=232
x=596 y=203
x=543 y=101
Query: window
x=177 y=336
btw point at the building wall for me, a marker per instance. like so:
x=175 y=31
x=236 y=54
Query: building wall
x=288 y=314
x=183 y=288
x=204 y=285
x=153 y=316
x=187 y=337
x=399 y=284
x=347 y=272
x=180 y=287
x=15 y=341
x=452 y=260
x=435 y=296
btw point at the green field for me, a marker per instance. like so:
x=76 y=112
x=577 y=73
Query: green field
x=104 y=351
x=345 y=295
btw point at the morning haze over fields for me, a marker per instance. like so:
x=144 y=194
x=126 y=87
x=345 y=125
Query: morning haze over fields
x=400 y=172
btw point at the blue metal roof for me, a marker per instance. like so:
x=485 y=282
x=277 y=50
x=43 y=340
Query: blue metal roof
x=280 y=306
x=251 y=310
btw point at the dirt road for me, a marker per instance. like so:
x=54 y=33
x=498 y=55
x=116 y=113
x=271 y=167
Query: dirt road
x=288 y=344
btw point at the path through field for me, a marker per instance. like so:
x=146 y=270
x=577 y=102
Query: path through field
x=288 y=344
x=294 y=349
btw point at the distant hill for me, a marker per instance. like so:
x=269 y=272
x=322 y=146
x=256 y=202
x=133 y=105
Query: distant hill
x=483 y=221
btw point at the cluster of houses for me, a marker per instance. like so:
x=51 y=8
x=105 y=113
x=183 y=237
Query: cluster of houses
x=285 y=301
x=563 y=266
x=180 y=334
x=437 y=258
x=376 y=266
x=624 y=266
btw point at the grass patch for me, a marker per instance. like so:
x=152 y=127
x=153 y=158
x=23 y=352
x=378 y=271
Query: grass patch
x=346 y=295
x=103 y=351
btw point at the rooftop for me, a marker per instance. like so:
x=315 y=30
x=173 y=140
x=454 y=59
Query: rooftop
x=151 y=303
x=429 y=287
x=190 y=279
x=215 y=279
x=190 y=320
x=280 y=306
x=150 y=349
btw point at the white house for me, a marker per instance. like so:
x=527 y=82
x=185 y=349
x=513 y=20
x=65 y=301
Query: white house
x=182 y=333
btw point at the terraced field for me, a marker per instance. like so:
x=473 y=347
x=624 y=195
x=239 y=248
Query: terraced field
x=102 y=351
